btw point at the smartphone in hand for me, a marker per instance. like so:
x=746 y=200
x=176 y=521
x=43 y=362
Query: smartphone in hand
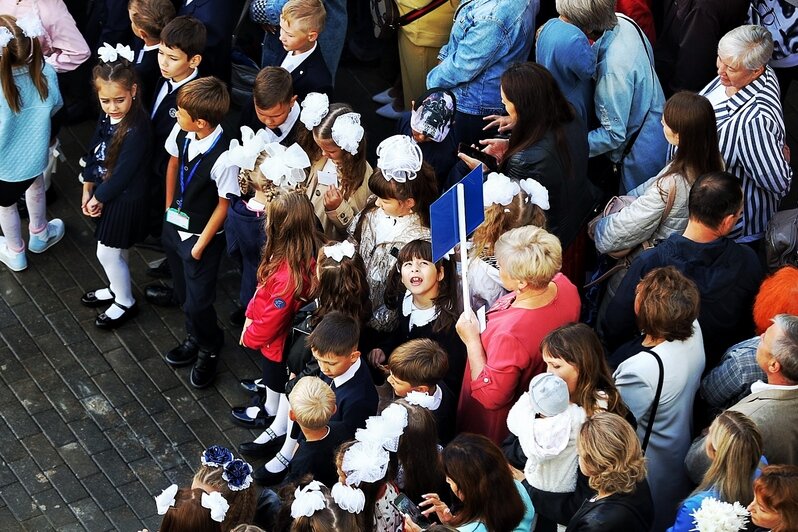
x=489 y=160
x=405 y=506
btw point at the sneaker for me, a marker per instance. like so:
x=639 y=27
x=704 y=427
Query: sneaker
x=383 y=97
x=16 y=262
x=53 y=233
x=387 y=111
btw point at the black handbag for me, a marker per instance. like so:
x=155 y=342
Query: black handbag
x=386 y=18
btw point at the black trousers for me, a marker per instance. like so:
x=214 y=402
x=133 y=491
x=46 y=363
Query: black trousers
x=195 y=283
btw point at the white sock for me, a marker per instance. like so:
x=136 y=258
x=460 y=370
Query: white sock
x=253 y=411
x=103 y=294
x=272 y=401
x=288 y=450
x=114 y=262
x=280 y=424
x=10 y=225
x=36 y=200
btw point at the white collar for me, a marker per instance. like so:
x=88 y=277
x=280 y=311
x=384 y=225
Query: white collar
x=347 y=375
x=174 y=85
x=292 y=60
x=425 y=400
x=151 y=47
x=285 y=127
x=195 y=147
x=418 y=317
x=760 y=386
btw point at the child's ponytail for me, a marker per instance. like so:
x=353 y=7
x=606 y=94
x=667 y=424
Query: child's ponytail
x=19 y=45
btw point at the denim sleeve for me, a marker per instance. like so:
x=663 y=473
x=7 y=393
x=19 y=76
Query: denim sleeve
x=613 y=100
x=478 y=49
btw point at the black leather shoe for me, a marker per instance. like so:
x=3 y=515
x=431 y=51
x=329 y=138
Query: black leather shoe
x=159 y=295
x=184 y=354
x=252 y=385
x=238 y=317
x=90 y=299
x=261 y=450
x=204 y=370
x=240 y=417
x=161 y=271
x=104 y=322
x=267 y=478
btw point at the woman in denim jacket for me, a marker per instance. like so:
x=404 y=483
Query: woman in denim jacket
x=487 y=37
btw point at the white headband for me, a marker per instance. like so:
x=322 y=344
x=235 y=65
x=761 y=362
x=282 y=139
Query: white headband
x=399 y=158
x=347 y=132
x=315 y=106
x=536 y=193
x=339 y=250
x=308 y=500
x=285 y=166
x=499 y=189
x=109 y=54
x=31 y=25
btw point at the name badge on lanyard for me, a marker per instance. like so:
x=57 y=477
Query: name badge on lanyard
x=186 y=180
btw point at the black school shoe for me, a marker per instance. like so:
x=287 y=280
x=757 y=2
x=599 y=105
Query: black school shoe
x=159 y=295
x=90 y=299
x=106 y=323
x=253 y=385
x=204 y=370
x=184 y=354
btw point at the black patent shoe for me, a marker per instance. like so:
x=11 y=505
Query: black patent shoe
x=162 y=271
x=262 y=450
x=253 y=385
x=204 y=370
x=91 y=300
x=266 y=478
x=159 y=295
x=184 y=354
x=240 y=417
x=104 y=322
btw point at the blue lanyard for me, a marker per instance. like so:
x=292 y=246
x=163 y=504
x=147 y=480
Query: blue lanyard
x=184 y=182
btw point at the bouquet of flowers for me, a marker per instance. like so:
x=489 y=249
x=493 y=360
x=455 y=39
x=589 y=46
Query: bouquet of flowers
x=719 y=516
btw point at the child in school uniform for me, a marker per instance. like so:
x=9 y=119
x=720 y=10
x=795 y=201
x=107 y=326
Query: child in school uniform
x=301 y=22
x=197 y=184
x=147 y=20
x=115 y=182
x=220 y=19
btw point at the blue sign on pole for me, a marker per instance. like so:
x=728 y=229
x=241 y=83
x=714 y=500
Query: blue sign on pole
x=444 y=216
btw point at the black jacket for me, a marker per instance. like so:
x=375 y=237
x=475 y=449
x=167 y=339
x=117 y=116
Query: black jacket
x=633 y=512
x=312 y=75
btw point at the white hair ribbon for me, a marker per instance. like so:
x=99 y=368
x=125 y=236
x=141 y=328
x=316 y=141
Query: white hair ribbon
x=216 y=503
x=5 y=37
x=315 y=106
x=537 y=193
x=339 y=250
x=422 y=399
x=109 y=54
x=245 y=154
x=347 y=132
x=353 y=500
x=31 y=25
x=499 y=189
x=365 y=462
x=285 y=166
x=399 y=158
x=166 y=499
x=385 y=429
x=308 y=500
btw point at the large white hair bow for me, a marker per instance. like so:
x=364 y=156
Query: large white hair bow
x=499 y=189
x=353 y=500
x=308 y=500
x=347 y=132
x=422 y=399
x=399 y=158
x=315 y=106
x=245 y=154
x=285 y=166
x=217 y=504
x=166 y=499
x=5 y=37
x=536 y=193
x=109 y=54
x=365 y=462
x=31 y=25
x=385 y=429
x=339 y=250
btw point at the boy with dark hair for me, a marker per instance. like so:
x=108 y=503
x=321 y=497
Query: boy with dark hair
x=417 y=369
x=301 y=22
x=147 y=20
x=197 y=185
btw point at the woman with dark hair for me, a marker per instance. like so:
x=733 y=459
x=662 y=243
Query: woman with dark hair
x=491 y=501
x=689 y=124
x=548 y=143
x=660 y=380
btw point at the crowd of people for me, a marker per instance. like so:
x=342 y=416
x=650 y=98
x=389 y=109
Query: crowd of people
x=633 y=367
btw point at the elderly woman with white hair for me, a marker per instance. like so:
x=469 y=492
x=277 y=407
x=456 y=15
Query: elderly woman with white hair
x=504 y=357
x=628 y=98
x=745 y=97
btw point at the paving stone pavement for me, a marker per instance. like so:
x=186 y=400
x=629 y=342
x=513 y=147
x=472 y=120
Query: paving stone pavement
x=95 y=423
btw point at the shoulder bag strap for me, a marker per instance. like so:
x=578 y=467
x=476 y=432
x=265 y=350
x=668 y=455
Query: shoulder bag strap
x=668 y=208
x=643 y=38
x=657 y=395
x=414 y=15
x=241 y=18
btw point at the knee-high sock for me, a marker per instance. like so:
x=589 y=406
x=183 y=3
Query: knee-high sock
x=10 y=225
x=280 y=423
x=36 y=200
x=287 y=450
x=114 y=262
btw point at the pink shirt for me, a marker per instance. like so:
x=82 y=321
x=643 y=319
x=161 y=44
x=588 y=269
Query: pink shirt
x=511 y=342
x=63 y=46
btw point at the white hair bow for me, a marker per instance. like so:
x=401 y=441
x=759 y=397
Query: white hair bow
x=385 y=429
x=308 y=500
x=339 y=250
x=315 y=106
x=537 y=193
x=245 y=154
x=216 y=503
x=399 y=158
x=31 y=25
x=166 y=499
x=109 y=54
x=285 y=166
x=365 y=462
x=347 y=132
x=499 y=189
x=422 y=399
x=5 y=37
x=353 y=500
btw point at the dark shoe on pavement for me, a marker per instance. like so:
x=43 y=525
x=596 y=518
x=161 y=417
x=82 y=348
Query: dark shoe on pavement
x=184 y=354
x=160 y=295
x=204 y=370
x=261 y=450
x=240 y=417
x=266 y=478
x=237 y=317
x=104 y=322
x=161 y=271
x=90 y=299
x=252 y=385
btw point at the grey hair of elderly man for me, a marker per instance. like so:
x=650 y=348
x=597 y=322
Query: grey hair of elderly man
x=590 y=16
x=749 y=47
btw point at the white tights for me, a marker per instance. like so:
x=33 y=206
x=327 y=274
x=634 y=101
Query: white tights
x=114 y=262
x=35 y=199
